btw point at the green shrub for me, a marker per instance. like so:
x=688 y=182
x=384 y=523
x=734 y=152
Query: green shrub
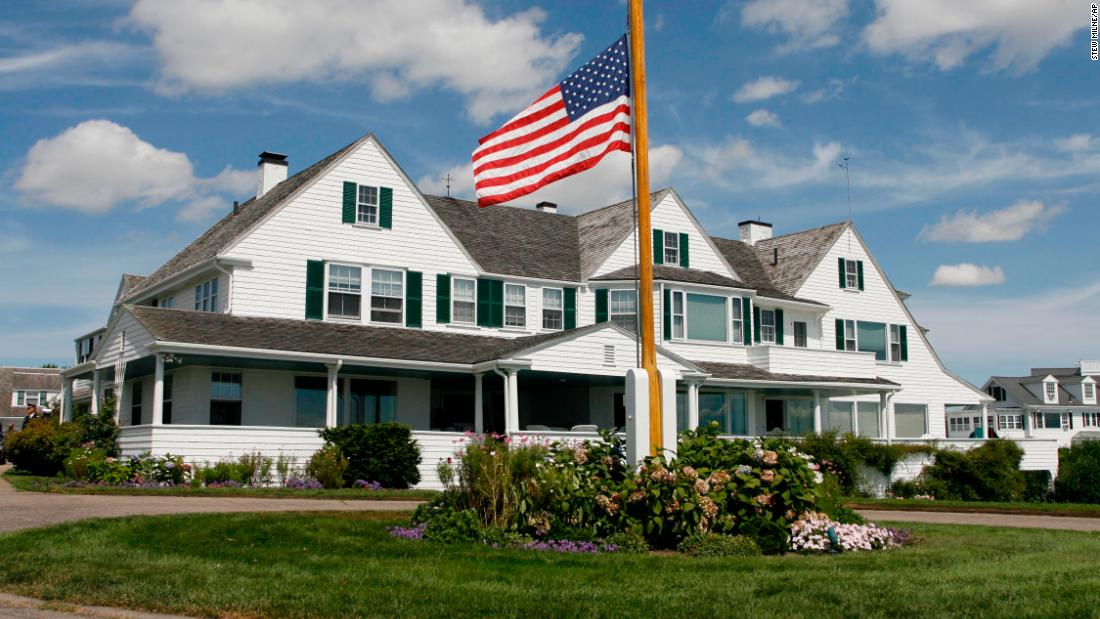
x=223 y=471
x=328 y=466
x=1037 y=488
x=502 y=538
x=989 y=472
x=255 y=469
x=100 y=430
x=843 y=457
x=1078 y=473
x=717 y=545
x=42 y=446
x=385 y=453
x=907 y=489
x=770 y=536
x=453 y=526
x=628 y=542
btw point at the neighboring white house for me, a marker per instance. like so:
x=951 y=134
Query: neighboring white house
x=1056 y=403
x=343 y=294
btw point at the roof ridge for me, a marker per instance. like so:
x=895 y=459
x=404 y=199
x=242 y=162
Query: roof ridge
x=806 y=231
x=621 y=202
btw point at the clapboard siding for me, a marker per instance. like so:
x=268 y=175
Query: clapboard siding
x=127 y=338
x=585 y=355
x=788 y=360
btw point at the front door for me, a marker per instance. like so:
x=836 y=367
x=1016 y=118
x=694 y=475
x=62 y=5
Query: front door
x=773 y=415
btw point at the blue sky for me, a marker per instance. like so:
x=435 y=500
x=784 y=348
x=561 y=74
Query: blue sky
x=971 y=127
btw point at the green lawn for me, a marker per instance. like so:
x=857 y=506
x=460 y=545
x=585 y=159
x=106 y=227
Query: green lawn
x=335 y=565
x=32 y=483
x=1082 y=510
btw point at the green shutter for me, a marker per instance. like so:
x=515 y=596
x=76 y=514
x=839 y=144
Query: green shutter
x=667 y=312
x=569 y=302
x=497 y=302
x=746 y=315
x=442 y=298
x=414 y=299
x=859 y=272
x=350 y=191
x=658 y=247
x=315 y=290
x=684 y=250
x=843 y=273
x=385 y=207
x=839 y=334
x=756 y=324
x=484 y=302
x=904 y=342
x=779 y=327
x=601 y=305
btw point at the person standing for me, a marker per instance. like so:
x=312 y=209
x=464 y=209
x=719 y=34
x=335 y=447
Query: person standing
x=32 y=413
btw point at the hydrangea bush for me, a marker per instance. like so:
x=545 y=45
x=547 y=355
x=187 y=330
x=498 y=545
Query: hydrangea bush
x=817 y=533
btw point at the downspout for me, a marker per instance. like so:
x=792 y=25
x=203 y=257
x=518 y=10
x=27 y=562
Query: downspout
x=507 y=398
x=229 y=286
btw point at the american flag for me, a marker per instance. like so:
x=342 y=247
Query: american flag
x=565 y=131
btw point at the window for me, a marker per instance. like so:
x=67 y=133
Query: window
x=206 y=296
x=868 y=416
x=135 y=404
x=998 y=392
x=872 y=338
x=1047 y=421
x=310 y=395
x=85 y=350
x=345 y=291
x=851 y=274
x=895 y=342
x=515 y=305
x=799 y=334
x=372 y=401
x=672 y=248
x=1050 y=391
x=20 y=398
x=623 y=308
x=552 y=309
x=1067 y=421
x=849 y=335
x=167 y=302
x=677 y=315
x=737 y=321
x=386 y=298
x=767 y=325
x=166 y=410
x=366 y=211
x=225 y=399
x=1090 y=420
x=727 y=409
x=959 y=424
x=463 y=301
x=706 y=317
x=910 y=420
x=1010 y=422
x=1088 y=393
x=840 y=417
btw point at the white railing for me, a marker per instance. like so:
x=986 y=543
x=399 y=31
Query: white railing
x=813 y=361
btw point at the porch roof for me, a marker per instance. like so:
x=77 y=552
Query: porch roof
x=752 y=374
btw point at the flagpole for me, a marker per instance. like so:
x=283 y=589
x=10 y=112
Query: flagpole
x=645 y=234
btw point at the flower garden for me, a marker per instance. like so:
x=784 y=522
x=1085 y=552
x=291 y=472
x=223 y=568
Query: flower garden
x=717 y=497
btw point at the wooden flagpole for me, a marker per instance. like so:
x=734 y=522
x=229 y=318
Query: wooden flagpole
x=645 y=234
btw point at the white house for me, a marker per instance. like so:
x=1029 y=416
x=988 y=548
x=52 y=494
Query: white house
x=1055 y=403
x=343 y=294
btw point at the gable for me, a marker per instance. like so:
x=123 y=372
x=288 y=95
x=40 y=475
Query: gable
x=789 y=260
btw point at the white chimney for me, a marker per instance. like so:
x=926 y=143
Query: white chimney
x=273 y=168
x=1089 y=367
x=753 y=231
x=546 y=207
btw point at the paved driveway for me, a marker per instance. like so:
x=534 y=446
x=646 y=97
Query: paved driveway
x=1065 y=523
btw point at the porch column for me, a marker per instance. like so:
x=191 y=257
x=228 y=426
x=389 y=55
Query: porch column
x=333 y=396
x=67 y=400
x=887 y=419
x=158 y=390
x=985 y=420
x=750 y=402
x=479 y=405
x=855 y=416
x=513 y=400
x=817 y=412
x=1028 y=422
x=95 y=392
x=693 y=405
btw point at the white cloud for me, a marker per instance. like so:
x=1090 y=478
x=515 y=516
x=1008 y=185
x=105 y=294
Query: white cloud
x=607 y=183
x=808 y=24
x=738 y=164
x=498 y=65
x=1078 y=142
x=967 y=275
x=202 y=209
x=1008 y=224
x=79 y=53
x=832 y=90
x=1021 y=32
x=765 y=87
x=98 y=165
x=763 y=118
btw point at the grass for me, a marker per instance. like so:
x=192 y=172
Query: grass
x=56 y=485
x=1080 y=510
x=335 y=565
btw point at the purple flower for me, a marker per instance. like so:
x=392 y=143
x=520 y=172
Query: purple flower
x=367 y=485
x=416 y=532
x=302 y=483
x=570 y=546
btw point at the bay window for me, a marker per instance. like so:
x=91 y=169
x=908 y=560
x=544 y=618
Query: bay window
x=767 y=325
x=552 y=309
x=463 y=301
x=515 y=305
x=706 y=317
x=387 y=297
x=677 y=315
x=345 y=290
x=872 y=338
x=737 y=322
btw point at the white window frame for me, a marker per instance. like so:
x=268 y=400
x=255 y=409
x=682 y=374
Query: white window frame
x=167 y=302
x=472 y=301
x=959 y=424
x=768 y=337
x=1088 y=393
x=522 y=305
x=548 y=311
x=805 y=333
x=850 y=335
x=206 y=296
x=1090 y=420
x=628 y=292
x=401 y=297
x=328 y=290
x=366 y=214
x=679 y=315
x=1010 y=422
x=851 y=274
x=1050 y=392
x=1067 y=421
x=737 y=320
x=893 y=343
x=674 y=248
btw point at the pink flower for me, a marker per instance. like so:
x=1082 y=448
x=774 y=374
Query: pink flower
x=768 y=475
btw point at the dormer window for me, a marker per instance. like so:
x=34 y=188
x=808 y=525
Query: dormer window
x=1050 y=392
x=206 y=296
x=1088 y=392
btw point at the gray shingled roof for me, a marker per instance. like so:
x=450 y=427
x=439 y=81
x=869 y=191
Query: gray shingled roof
x=741 y=371
x=674 y=274
x=313 y=336
x=747 y=263
x=513 y=241
x=1018 y=393
x=224 y=233
x=799 y=253
x=601 y=231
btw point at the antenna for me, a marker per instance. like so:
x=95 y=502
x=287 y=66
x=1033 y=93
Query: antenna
x=448 y=180
x=848 y=180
